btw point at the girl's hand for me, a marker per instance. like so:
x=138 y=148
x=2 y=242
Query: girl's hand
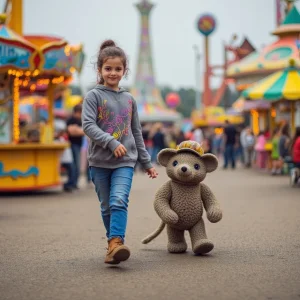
x=120 y=151
x=152 y=173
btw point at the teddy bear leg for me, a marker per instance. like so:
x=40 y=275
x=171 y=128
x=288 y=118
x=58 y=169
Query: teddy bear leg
x=177 y=243
x=200 y=243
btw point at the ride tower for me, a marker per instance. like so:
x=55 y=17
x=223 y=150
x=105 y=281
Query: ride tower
x=145 y=89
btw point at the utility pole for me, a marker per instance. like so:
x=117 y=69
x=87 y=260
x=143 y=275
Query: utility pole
x=198 y=97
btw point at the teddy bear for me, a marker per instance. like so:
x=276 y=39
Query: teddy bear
x=181 y=200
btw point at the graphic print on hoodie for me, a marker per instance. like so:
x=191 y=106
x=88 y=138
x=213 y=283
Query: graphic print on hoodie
x=110 y=118
x=115 y=124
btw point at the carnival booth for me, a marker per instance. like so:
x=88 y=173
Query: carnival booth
x=272 y=58
x=255 y=111
x=282 y=90
x=216 y=116
x=29 y=156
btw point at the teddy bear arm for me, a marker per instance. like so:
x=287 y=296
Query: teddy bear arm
x=211 y=204
x=162 y=204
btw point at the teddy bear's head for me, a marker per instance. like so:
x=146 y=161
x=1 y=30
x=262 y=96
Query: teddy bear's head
x=188 y=163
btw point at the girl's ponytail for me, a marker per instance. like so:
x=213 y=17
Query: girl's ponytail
x=106 y=44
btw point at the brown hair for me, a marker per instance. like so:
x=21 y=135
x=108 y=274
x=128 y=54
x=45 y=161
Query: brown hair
x=107 y=50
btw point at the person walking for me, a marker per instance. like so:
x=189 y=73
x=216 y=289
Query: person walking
x=75 y=133
x=229 y=142
x=110 y=119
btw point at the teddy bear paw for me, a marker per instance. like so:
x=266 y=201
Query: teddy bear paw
x=177 y=247
x=203 y=246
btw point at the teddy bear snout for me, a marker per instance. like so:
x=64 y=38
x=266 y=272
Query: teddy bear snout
x=184 y=171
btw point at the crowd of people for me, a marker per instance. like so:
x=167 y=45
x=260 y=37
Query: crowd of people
x=232 y=144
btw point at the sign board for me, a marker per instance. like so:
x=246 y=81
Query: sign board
x=14 y=56
x=56 y=59
x=206 y=24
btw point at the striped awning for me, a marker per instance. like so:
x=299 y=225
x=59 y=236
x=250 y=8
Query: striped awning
x=280 y=85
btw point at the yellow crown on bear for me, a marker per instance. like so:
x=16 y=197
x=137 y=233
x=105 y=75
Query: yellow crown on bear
x=191 y=145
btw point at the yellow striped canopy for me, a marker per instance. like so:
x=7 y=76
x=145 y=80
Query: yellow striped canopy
x=280 y=85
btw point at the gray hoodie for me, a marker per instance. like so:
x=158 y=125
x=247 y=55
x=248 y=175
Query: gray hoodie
x=110 y=118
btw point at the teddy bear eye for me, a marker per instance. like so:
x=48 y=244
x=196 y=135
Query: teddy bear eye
x=196 y=166
x=175 y=163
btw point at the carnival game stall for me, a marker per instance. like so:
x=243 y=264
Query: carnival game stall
x=272 y=58
x=216 y=116
x=29 y=157
x=256 y=111
x=282 y=90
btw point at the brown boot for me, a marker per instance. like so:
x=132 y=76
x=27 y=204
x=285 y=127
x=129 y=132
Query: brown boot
x=116 y=252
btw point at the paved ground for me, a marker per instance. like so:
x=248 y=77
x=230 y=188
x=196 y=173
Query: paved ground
x=52 y=246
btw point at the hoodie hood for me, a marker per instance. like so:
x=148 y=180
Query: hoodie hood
x=105 y=88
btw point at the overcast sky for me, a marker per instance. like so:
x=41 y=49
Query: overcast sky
x=172 y=27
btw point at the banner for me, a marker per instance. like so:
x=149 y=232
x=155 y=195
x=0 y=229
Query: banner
x=14 y=56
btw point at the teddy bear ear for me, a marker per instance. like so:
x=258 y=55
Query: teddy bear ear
x=211 y=162
x=165 y=155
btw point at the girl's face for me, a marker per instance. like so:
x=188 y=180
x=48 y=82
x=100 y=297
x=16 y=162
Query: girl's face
x=112 y=72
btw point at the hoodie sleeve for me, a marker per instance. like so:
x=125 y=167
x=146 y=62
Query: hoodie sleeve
x=143 y=156
x=90 y=127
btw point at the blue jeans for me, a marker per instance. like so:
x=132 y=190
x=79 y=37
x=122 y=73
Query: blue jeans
x=88 y=173
x=229 y=155
x=113 y=187
x=76 y=162
x=70 y=172
x=155 y=151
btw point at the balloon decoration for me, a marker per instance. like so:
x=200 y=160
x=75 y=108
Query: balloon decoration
x=173 y=100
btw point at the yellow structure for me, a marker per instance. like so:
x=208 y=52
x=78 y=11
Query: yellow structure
x=31 y=161
x=214 y=116
x=31 y=166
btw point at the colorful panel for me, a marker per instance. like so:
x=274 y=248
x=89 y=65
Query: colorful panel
x=13 y=56
x=56 y=60
x=279 y=54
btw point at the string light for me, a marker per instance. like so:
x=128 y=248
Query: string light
x=43 y=81
x=35 y=73
x=16 y=100
x=25 y=83
x=219 y=131
x=32 y=87
x=58 y=80
x=67 y=50
x=255 y=122
x=273 y=113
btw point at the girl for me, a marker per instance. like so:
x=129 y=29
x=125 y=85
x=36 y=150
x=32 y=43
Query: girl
x=110 y=120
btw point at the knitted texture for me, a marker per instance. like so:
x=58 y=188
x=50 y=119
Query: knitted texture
x=180 y=201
